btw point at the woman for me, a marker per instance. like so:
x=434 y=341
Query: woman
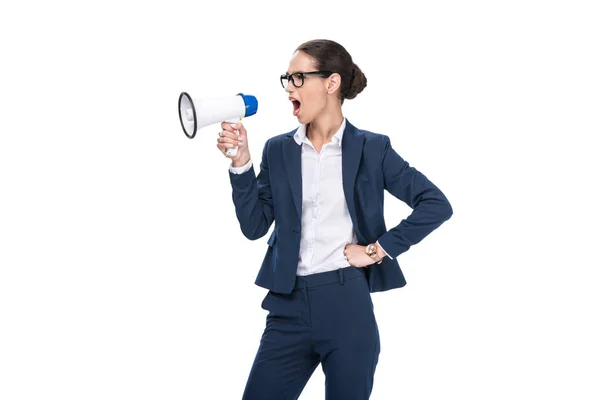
x=323 y=185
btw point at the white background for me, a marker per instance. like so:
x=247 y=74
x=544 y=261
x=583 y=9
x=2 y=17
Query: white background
x=124 y=274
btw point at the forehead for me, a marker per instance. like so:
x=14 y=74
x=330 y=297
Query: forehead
x=302 y=62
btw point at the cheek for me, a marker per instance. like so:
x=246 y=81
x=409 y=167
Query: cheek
x=314 y=102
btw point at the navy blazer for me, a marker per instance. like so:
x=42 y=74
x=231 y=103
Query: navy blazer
x=369 y=165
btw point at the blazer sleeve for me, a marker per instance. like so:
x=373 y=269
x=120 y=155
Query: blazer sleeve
x=253 y=200
x=430 y=206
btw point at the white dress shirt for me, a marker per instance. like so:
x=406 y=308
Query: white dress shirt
x=326 y=223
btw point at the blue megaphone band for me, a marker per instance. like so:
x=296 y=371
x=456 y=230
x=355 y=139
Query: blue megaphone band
x=251 y=104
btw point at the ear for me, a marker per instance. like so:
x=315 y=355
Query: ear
x=334 y=82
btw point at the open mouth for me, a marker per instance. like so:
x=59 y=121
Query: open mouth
x=297 y=105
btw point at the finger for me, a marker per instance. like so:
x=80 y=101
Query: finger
x=226 y=126
x=225 y=146
x=233 y=127
x=239 y=127
x=234 y=142
x=229 y=134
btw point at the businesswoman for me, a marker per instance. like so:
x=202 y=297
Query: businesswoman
x=323 y=185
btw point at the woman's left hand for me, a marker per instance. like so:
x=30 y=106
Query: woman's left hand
x=356 y=256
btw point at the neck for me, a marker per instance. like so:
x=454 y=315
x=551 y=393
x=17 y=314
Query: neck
x=324 y=126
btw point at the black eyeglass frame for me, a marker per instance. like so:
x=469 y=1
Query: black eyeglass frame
x=288 y=77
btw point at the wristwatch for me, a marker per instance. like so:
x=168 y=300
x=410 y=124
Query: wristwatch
x=371 y=251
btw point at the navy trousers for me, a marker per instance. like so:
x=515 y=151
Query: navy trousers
x=328 y=318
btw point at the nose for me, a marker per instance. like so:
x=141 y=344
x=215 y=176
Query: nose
x=289 y=88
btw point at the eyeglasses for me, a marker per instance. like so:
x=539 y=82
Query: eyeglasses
x=297 y=78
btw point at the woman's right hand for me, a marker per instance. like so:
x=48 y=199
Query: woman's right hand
x=229 y=139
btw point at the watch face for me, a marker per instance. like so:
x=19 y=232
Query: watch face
x=371 y=249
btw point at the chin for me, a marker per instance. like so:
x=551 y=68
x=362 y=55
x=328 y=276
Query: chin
x=303 y=119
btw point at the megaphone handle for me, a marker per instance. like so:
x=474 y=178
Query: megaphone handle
x=233 y=151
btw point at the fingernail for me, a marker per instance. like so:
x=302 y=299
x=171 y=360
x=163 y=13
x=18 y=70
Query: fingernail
x=233 y=125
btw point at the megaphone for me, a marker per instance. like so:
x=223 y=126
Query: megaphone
x=200 y=112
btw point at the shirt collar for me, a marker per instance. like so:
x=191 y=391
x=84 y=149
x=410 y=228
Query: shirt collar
x=300 y=135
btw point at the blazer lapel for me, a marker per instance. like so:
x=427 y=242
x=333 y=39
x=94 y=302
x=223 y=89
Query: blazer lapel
x=292 y=163
x=352 y=145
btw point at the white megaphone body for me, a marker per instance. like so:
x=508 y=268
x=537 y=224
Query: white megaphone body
x=200 y=112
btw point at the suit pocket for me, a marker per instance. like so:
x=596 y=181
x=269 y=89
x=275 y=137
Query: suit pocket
x=283 y=308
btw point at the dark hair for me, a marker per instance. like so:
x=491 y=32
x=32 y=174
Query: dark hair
x=332 y=56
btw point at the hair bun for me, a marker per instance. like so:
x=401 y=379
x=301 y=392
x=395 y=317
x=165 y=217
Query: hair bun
x=357 y=83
